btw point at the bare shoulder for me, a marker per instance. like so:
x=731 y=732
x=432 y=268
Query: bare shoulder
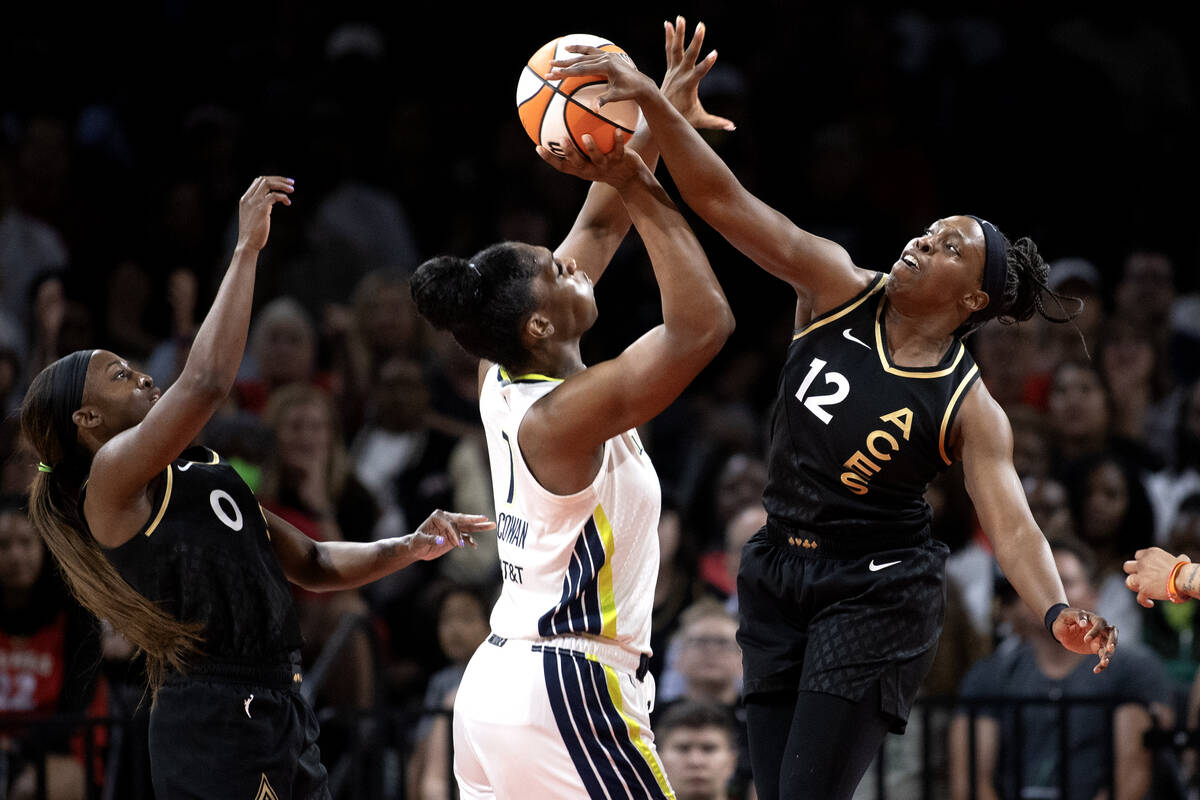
x=839 y=288
x=114 y=520
x=980 y=424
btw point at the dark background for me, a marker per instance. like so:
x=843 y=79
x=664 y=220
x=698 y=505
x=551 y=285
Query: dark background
x=1077 y=129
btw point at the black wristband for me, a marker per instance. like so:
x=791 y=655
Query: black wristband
x=1052 y=615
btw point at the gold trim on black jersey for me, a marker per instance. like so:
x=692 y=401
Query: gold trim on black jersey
x=880 y=281
x=163 y=508
x=963 y=384
x=886 y=362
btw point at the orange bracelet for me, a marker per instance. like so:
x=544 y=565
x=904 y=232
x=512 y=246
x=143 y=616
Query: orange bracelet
x=1172 y=591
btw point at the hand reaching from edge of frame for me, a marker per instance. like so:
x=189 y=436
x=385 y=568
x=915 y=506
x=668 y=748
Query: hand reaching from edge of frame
x=685 y=70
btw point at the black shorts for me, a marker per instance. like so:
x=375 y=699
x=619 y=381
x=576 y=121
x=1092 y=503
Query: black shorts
x=820 y=615
x=207 y=741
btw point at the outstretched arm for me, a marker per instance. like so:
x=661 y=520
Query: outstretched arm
x=331 y=566
x=562 y=433
x=984 y=440
x=813 y=265
x=126 y=463
x=603 y=221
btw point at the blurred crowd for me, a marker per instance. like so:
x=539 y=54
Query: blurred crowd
x=353 y=420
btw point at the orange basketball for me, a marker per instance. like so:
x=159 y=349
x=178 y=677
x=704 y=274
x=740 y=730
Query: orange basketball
x=558 y=113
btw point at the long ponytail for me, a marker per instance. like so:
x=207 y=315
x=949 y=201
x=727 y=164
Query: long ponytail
x=53 y=511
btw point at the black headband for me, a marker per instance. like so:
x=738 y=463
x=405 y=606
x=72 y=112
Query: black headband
x=995 y=271
x=68 y=375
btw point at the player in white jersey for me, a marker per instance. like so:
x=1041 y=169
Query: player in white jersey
x=556 y=702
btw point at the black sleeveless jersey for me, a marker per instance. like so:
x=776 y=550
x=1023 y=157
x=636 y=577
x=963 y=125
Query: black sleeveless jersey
x=855 y=440
x=205 y=556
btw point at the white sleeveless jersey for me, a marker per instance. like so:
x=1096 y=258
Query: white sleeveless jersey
x=574 y=565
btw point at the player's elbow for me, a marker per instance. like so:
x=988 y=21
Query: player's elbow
x=206 y=387
x=716 y=328
x=309 y=567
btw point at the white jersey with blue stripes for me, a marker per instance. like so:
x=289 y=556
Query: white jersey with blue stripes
x=583 y=564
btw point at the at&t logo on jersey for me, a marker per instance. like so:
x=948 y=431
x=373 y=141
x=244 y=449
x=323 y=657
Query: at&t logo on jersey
x=879 y=446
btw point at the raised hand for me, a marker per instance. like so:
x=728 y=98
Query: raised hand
x=616 y=167
x=442 y=531
x=624 y=80
x=684 y=73
x=1086 y=633
x=254 y=210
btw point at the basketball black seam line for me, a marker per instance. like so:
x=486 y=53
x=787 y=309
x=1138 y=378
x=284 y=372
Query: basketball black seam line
x=571 y=99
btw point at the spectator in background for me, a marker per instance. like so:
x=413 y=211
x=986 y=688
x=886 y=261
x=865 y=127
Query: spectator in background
x=1145 y=292
x=973 y=568
x=698 y=746
x=1050 y=505
x=1075 y=277
x=744 y=523
x=453 y=382
x=412 y=464
x=678 y=584
x=462 y=625
x=740 y=482
x=1183 y=346
x=1081 y=420
x=704 y=665
x=1133 y=363
x=29 y=249
x=244 y=439
x=1008 y=359
x=920 y=755
x=168 y=356
x=18 y=459
x=707 y=662
x=1113 y=517
x=11 y=378
x=1181 y=478
x=1038 y=667
x=128 y=304
x=307 y=483
x=49 y=654
x=282 y=349
x=380 y=323
x=48 y=304
x=718 y=466
x=1031 y=441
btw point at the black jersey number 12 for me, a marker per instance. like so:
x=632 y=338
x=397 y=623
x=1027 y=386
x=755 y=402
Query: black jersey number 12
x=816 y=402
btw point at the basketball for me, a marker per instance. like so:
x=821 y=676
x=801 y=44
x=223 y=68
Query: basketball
x=556 y=114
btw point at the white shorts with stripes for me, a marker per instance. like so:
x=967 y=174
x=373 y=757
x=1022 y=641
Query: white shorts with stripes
x=535 y=719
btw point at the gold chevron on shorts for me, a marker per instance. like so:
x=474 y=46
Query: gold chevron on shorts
x=265 y=792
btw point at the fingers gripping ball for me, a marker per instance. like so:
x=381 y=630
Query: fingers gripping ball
x=558 y=113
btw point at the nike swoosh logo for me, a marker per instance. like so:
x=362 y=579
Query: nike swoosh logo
x=846 y=333
x=876 y=567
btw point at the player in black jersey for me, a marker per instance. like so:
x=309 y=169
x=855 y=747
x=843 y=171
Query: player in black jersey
x=842 y=593
x=177 y=554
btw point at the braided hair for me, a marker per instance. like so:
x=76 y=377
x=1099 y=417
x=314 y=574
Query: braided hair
x=482 y=302
x=1025 y=291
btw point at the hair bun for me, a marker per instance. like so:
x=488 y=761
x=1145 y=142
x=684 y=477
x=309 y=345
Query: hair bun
x=446 y=290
